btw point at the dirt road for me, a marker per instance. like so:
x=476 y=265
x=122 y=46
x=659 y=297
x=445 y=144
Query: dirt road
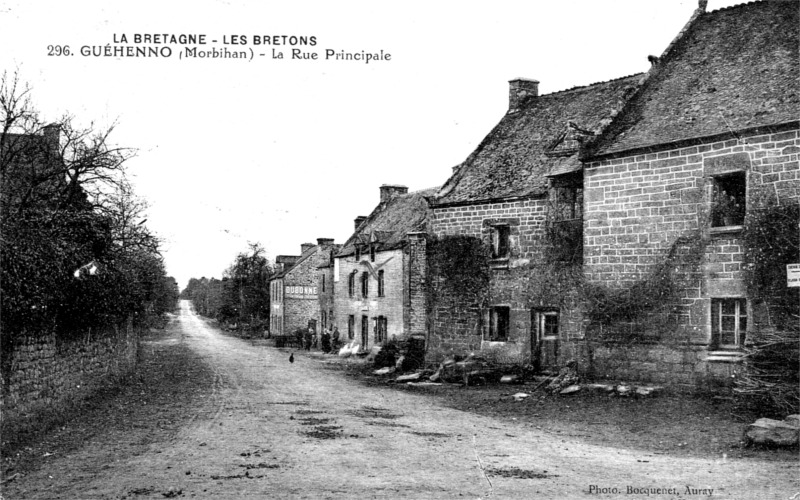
x=273 y=429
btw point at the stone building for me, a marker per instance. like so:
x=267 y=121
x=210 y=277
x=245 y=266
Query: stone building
x=294 y=291
x=503 y=196
x=378 y=275
x=325 y=283
x=710 y=135
x=591 y=198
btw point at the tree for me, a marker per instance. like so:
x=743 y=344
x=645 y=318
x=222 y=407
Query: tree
x=75 y=251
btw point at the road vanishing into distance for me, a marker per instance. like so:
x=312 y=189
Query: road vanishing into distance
x=268 y=428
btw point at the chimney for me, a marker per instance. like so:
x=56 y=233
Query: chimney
x=359 y=220
x=702 y=5
x=324 y=242
x=305 y=247
x=389 y=191
x=520 y=89
x=52 y=137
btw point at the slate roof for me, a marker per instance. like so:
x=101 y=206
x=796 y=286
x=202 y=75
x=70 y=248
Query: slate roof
x=733 y=69
x=540 y=139
x=390 y=222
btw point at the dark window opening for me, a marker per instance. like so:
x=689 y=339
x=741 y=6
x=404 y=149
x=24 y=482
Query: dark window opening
x=372 y=253
x=499 y=321
x=728 y=323
x=381 y=285
x=365 y=284
x=351 y=327
x=566 y=203
x=323 y=282
x=358 y=253
x=500 y=241
x=351 y=284
x=364 y=332
x=381 y=327
x=729 y=200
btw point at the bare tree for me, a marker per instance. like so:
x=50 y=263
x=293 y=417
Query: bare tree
x=56 y=164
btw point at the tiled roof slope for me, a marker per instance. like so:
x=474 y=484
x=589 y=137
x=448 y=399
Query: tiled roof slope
x=735 y=68
x=389 y=223
x=515 y=158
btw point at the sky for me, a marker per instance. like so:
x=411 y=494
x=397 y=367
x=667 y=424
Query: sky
x=285 y=151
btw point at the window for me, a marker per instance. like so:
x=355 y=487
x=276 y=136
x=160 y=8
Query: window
x=380 y=283
x=381 y=326
x=365 y=284
x=351 y=284
x=372 y=253
x=500 y=246
x=728 y=200
x=364 y=332
x=728 y=323
x=324 y=318
x=323 y=282
x=358 y=253
x=351 y=327
x=498 y=323
x=566 y=203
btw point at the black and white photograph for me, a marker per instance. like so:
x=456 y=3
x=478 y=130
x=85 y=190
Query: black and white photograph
x=405 y=250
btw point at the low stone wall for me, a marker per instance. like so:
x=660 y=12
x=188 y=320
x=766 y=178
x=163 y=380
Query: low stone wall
x=48 y=373
x=687 y=368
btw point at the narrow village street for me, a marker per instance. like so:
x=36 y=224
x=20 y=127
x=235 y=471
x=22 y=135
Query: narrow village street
x=269 y=428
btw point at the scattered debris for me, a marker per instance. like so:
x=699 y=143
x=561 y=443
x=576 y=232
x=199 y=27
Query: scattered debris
x=570 y=390
x=769 y=432
x=567 y=376
x=384 y=371
x=623 y=390
x=423 y=384
x=520 y=396
x=510 y=379
x=410 y=377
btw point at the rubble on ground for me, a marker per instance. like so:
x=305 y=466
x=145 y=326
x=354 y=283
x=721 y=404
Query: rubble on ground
x=770 y=432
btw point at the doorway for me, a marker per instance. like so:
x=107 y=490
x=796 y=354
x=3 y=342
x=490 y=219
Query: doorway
x=544 y=340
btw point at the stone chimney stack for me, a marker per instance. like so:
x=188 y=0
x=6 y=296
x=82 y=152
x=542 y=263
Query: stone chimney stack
x=389 y=191
x=520 y=89
x=52 y=137
x=359 y=220
x=283 y=262
x=702 y=5
x=305 y=247
x=324 y=242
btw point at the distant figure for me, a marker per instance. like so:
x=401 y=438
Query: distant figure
x=336 y=337
x=326 y=341
x=291 y=358
x=309 y=338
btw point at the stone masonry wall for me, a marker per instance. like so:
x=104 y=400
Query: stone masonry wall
x=456 y=329
x=637 y=207
x=416 y=306
x=391 y=305
x=46 y=373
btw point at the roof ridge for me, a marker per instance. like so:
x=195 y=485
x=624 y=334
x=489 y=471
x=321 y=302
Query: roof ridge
x=581 y=87
x=737 y=6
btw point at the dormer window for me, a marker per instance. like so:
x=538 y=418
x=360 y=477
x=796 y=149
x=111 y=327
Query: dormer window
x=372 y=253
x=358 y=253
